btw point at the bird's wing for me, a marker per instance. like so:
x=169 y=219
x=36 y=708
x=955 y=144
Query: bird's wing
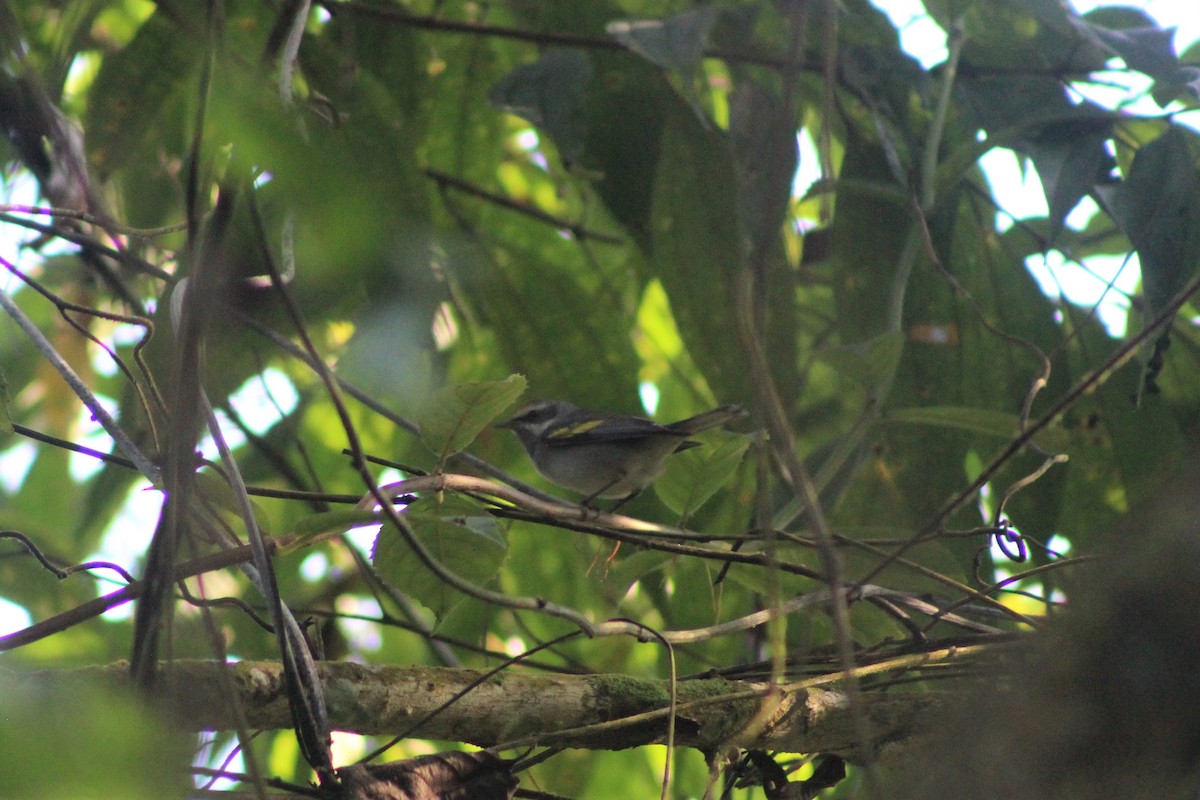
x=607 y=429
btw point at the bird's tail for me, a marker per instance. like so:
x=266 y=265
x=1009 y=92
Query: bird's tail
x=709 y=419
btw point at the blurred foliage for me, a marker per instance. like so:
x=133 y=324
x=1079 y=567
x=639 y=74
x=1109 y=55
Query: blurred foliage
x=86 y=743
x=597 y=197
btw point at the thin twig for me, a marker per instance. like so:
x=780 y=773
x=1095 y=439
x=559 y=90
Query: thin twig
x=81 y=390
x=577 y=229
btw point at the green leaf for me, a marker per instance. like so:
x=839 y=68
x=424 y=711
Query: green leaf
x=624 y=117
x=977 y=420
x=697 y=246
x=1118 y=18
x=1144 y=46
x=1158 y=208
x=448 y=506
x=137 y=96
x=676 y=42
x=570 y=319
x=1071 y=159
x=867 y=234
x=695 y=475
x=1148 y=50
x=1015 y=33
x=870 y=363
x=1183 y=85
x=997 y=102
x=472 y=548
x=1148 y=442
x=452 y=418
x=762 y=132
x=316 y=526
x=549 y=93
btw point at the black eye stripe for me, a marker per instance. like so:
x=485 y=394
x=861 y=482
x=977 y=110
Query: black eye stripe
x=535 y=415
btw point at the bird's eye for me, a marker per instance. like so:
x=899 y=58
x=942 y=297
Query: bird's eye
x=536 y=414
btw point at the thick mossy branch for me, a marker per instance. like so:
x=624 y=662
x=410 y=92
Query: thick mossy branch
x=586 y=711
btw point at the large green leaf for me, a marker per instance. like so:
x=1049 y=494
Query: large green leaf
x=624 y=118
x=471 y=547
x=549 y=93
x=1158 y=207
x=452 y=417
x=1020 y=32
x=1148 y=50
x=696 y=247
x=676 y=42
x=978 y=420
x=570 y=338
x=696 y=474
x=1071 y=159
x=870 y=363
x=868 y=235
x=138 y=95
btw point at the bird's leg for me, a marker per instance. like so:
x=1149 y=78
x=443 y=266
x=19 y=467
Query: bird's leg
x=624 y=500
x=587 y=501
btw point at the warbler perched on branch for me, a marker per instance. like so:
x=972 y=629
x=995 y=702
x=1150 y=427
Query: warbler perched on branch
x=604 y=455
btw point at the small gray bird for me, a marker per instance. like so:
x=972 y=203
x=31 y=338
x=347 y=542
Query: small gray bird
x=604 y=455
